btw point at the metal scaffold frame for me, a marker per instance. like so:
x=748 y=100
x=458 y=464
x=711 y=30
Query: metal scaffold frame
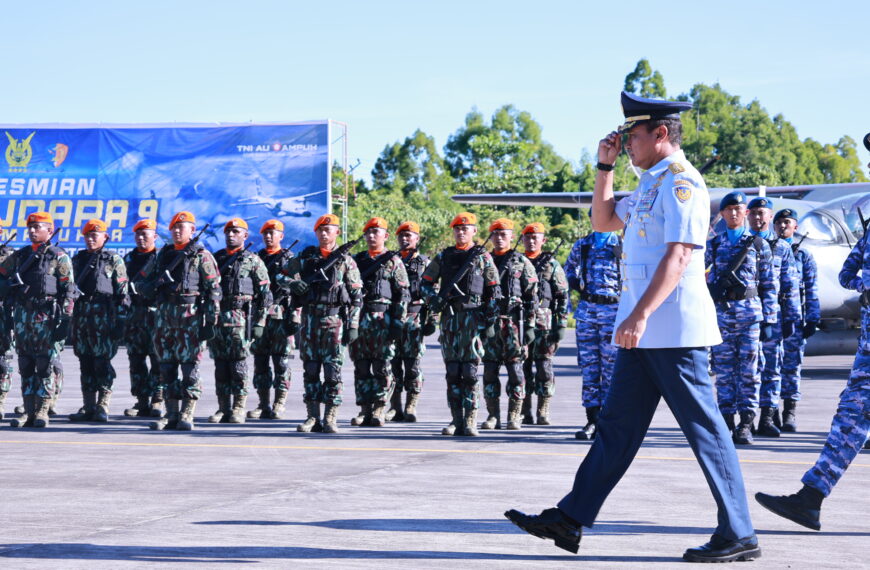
x=340 y=129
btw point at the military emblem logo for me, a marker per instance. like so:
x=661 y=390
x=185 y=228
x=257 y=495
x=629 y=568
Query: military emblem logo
x=682 y=193
x=18 y=153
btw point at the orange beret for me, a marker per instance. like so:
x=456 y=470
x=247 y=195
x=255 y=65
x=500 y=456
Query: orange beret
x=501 y=224
x=145 y=225
x=534 y=228
x=183 y=216
x=464 y=219
x=37 y=217
x=272 y=225
x=94 y=225
x=235 y=223
x=327 y=220
x=408 y=226
x=375 y=222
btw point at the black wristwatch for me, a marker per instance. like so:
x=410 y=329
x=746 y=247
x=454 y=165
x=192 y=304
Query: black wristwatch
x=604 y=167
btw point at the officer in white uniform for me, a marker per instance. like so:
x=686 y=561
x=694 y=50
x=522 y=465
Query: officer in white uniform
x=665 y=322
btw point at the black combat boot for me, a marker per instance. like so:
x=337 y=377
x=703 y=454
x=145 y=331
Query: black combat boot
x=766 y=427
x=803 y=507
x=789 y=415
x=729 y=421
x=591 y=428
x=262 y=411
x=743 y=431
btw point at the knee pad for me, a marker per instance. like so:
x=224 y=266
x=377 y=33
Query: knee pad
x=281 y=364
x=43 y=367
x=362 y=369
x=103 y=368
x=515 y=372
x=239 y=370
x=169 y=372
x=261 y=364
x=490 y=372
x=545 y=370
x=221 y=371
x=412 y=368
x=331 y=373
x=468 y=373
x=397 y=369
x=310 y=371
x=453 y=372
x=27 y=365
x=190 y=371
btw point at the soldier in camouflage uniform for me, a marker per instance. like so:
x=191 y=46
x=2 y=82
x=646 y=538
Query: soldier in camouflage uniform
x=851 y=423
x=325 y=282
x=515 y=327
x=144 y=364
x=793 y=346
x=7 y=340
x=187 y=286
x=38 y=281
x=281 y=324
x=98 y=319
x=245 y=300
x=469 y=308
x=788 y=308
x=551 y=319
x=381 y=324
x=592 y=269
x=421 y=322
x=746 y=311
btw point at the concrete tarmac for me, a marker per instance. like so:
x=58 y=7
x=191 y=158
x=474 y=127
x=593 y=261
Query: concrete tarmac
x=119 y=495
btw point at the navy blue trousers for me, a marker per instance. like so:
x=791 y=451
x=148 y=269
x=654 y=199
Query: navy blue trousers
x=641 y=377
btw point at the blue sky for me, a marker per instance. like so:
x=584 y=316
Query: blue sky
x=388 y=68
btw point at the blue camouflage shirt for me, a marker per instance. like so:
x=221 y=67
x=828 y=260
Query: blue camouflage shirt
x=755 y=271
x=598 y=274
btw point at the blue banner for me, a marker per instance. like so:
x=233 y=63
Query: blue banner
x=124 y=174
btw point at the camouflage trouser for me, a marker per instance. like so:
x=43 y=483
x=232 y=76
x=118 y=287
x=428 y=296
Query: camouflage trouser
x=793 y=355
x=851 y=422
x=371 y=354
x=144 y=379
x=595 y=352
x=770 y=362
x=229 y=349
x=735 y=363
x=274 y=344
x=462 y=350
x=37 y=352
x=176 y=342
x=538 y=367
x=7 y=363
x=320 y=347
x=407 y=374
x=94 y=343
x=506 y=347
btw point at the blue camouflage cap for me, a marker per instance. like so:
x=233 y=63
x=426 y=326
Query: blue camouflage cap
x=785 y=213
x=761 y=202
x=639 y=109
x=732 y=199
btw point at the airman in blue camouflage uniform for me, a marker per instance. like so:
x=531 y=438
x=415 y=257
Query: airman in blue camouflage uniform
x=381 y=324
x=551 y=318
x=7 y=340
x=515 y=327
x=745 y=298
x=469 y=309
x=592 y=270
x=98 y=319
x=793 y=347
x=851 y=423
x=38 y=282
x=787 y=282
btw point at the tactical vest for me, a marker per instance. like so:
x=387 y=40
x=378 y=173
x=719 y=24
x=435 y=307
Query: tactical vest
x=329 y=292
x=232 y=283
x=415 y=267
x=90 y=272
x=38 y=281
x=615 y=249
x=135 y=261
x=185 y=275
x=452 y=260
x=545 y=288
x=376 y=286
x=274 y=262
x=511 y=287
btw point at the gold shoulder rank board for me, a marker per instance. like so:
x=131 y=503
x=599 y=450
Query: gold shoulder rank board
x=676 y=167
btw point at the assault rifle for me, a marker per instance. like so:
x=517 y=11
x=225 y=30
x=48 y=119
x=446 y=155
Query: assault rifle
x=729 y=280
x=319 y=273
x=12 y=237
x=234 y=257
x=89 y=269
x=451 y=289
x=34 y=257
x=545 y=257
x=413 y=250
x=188 y=251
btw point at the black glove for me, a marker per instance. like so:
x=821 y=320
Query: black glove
x=350 y=335
x=207 y=332
x=429 y=328
x=556 y=335
x=257 y=332
x=810 y=329
x=528 y=335
x=787 y=328
x=766 y=332
x=290 y=326
x=61 y=331
x=437 y=305
x=298 y=287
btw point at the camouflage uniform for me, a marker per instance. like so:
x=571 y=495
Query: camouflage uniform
x=551 y=319
x=245 y=301
x=592 y=269
x=7 y=340
x=514 y=328
x=98 y=327
x=786 y=278
x=384 y=310
x=735 y=361
x=851 y=421
x=275 y=344
x=144 y=364
x=411 y=346
x=463 y=319
x=187 y=307
x=41 y=312
x=330 y=310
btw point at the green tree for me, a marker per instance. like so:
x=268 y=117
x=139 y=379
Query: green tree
x=645 y=82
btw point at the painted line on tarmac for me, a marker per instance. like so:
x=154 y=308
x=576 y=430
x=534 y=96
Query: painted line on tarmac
x=379 y=449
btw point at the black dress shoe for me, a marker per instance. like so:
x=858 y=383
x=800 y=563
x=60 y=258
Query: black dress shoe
x=793 y=507
x=722 y=550
x=552 y=524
